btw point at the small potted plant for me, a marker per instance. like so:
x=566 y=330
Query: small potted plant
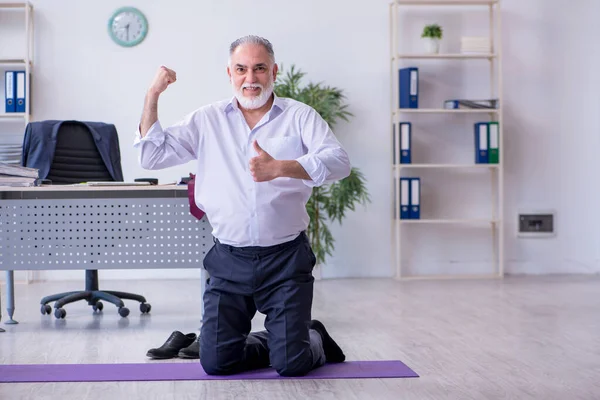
x=432 y=34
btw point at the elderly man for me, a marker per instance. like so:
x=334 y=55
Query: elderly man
x=258 y=157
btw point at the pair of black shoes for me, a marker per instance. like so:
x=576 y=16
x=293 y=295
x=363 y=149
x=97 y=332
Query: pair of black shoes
x=177 y=345
x=188 y=346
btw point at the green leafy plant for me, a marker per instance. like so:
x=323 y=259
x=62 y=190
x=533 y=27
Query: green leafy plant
x=328 y=202
x=433 y=31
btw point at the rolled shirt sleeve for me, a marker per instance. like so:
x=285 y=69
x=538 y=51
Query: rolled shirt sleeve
x=162 y=148
x=326 y=160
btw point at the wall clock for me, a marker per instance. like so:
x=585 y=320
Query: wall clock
x=127 y=26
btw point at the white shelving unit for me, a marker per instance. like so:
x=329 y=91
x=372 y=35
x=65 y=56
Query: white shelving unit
x=495 y=222
x=23 y=11
x=26 y=11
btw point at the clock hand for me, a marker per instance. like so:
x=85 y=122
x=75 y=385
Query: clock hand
x=127 y=29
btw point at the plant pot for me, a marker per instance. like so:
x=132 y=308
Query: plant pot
x=432 y=45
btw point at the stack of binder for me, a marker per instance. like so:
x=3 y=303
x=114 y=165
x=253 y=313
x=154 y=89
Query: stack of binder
x=14 y=91
x=487 y=142
x=402 y=138
x=15 y=175
x=409 y=192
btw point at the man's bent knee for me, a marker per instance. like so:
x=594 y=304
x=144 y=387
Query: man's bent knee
x=218 y=364
x=293 y=369
x=212 y=367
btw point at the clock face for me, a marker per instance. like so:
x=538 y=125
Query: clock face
x=127 y=26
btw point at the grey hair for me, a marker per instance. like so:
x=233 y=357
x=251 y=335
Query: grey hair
x=252 y=39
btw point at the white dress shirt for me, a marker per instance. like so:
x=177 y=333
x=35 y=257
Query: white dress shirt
x=243 y=212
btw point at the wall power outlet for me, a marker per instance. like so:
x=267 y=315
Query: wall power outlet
x=536 y=224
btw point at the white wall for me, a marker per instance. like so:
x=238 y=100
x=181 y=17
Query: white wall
x=552 y=115
x=551 y=103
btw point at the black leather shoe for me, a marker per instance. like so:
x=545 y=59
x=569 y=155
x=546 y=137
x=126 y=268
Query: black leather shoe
x=192 y=351
x=333 y=352
x=171 y=347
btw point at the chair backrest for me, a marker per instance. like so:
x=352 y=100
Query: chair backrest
x=76 y=157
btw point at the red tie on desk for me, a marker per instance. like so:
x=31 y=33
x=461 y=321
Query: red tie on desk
x=194 y=210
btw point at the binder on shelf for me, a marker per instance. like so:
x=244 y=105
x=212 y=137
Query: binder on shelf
x=9 y=91
x=20 y=92
x=396 y=198
x=470 y=104
x=481 y=142
x=395 y=145
x=408 y=82
x=405 y=129
x=404 y=198
x=415 y=198
x=494 y=142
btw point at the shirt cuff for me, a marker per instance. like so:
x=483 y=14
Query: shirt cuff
x=153 y=135
x=315 y=168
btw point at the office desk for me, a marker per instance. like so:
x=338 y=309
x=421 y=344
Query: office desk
x=82 y=227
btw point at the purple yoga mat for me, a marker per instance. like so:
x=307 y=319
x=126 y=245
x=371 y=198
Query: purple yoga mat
x=170 y=371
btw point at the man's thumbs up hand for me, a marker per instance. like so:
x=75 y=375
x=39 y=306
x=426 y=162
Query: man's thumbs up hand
x=263 y=167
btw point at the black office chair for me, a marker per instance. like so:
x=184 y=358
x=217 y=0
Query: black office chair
x=77 y=159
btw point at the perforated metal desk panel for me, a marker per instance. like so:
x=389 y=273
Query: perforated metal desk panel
x=81 y=227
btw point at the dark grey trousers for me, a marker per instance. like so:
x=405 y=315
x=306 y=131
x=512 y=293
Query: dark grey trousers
x=276 y=281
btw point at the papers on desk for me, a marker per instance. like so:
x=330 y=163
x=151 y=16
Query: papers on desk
x=109 y=183
x=15 y=175
x=17 y=181
x=17 y=170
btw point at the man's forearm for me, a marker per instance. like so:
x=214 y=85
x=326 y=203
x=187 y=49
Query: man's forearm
x=150 y=114
x=292 y=169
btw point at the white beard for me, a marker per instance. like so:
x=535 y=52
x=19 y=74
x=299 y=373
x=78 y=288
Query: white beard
x=252 y=103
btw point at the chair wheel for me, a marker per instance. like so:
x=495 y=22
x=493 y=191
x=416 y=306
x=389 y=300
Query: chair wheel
x=98 y=306
x=60 y=313
x=123 y=311
x=46 y=309
x=145 y=308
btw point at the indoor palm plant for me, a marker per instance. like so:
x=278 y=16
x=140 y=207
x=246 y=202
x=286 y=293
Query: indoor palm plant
x=329 y=202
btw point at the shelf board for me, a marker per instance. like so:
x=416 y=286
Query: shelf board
x=457 y=56
x=447 y=111
x=480 y=166
x=14 y=5
x=446 y=2
x=448 y=277
x=12 y=115
x=448 y=221
x=14 y=61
